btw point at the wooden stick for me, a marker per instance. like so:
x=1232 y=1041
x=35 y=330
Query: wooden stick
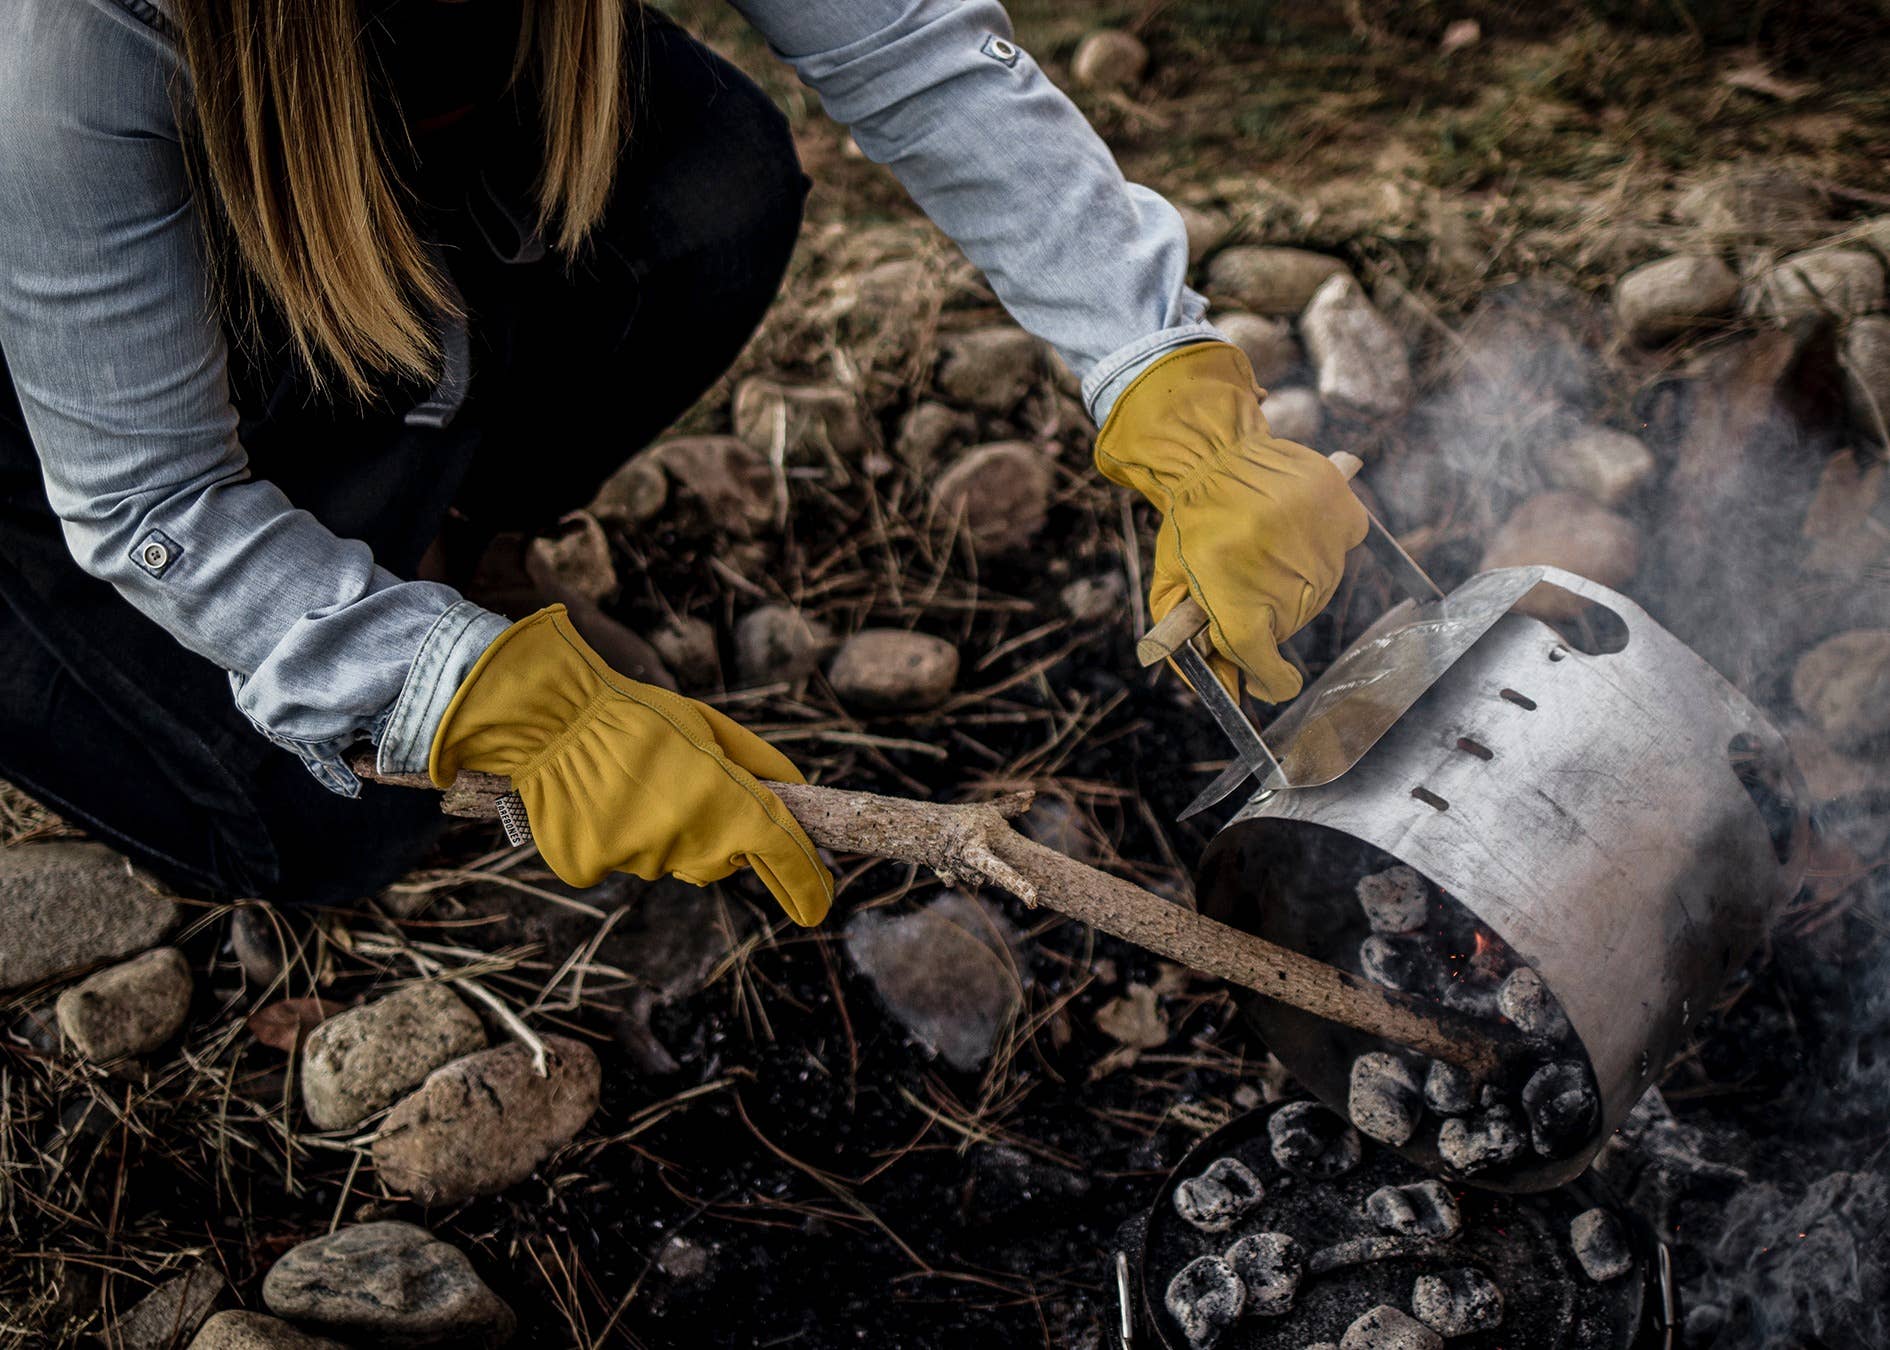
x=969 y=843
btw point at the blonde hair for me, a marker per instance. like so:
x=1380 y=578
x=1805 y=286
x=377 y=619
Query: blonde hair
x=301 y=197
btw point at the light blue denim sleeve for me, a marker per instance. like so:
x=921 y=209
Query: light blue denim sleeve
x=119 y=361
x=1006 y=165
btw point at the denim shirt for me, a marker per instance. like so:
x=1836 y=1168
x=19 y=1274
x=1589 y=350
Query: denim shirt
x=119 y=359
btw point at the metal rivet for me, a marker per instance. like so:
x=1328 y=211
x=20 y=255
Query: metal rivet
x=1001 y=49
x=156 y=556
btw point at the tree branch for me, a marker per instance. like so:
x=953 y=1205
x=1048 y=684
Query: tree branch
x=968 y=843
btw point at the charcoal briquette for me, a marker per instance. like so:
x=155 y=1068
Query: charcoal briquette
x=1389 y=1328
x=1562 y=1107
x=1385 y=1101
x=1215 y=1200
x=1473 y=1144
x=1310 y=1141
x=1397 y=961
x=1449 y=1090
x=1526 y=1001
x=1425 y=1209
x=1396 y=900
x=1458 y=1302
x=1270 y=1266
x=1601 y=1245
x=1206 y=1297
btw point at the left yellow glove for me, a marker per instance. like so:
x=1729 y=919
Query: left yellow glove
x=619 y=776
x=1256 y=528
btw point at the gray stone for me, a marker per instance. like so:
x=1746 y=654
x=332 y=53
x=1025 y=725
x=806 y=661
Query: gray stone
x=257 y=1331
x=928 y=430
x=1295 y=414
x=1269 y=344
x=1602 y=463
x=687 y=646
x=171 y=1313
x=1843 y=684
x=1384 y=1099
x=576 y=561
x=361 y=1060
x=128 y=1009
x=633 y=495
x=728 y=479
x=1389 y=1328
x=1110 y=59
x=391 y=1284
x=894 y=670
x=1396 y=900
x=1661 y=300
x=949 y=972
x=1570 y=531
x=804 y=423
x=67 y=905
x=1601 y=1245
x=1458 y=1302
x=673 y=937
x=1866 y=358
x=1207 y=229
x=990 y=369
x=1841 y=282
x=1266 y=280
x=778 y=644
x=1362 y=364
x=998 y=495
x=485 y=1122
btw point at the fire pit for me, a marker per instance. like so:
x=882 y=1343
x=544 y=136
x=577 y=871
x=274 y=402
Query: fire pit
x=1335 y=1240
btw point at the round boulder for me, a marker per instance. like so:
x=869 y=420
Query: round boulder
x=128 y=1009
x=391 y=1284
x=361 y=1060
x=893 y=670
x=999 y=495
x=1664 y=299
x=1267 y=280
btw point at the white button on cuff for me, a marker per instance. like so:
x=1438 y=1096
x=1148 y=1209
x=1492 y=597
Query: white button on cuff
x=156 y=552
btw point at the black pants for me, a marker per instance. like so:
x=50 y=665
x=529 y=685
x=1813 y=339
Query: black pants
x=575 y=364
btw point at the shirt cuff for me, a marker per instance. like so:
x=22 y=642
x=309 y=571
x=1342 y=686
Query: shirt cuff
x=450 y=649
x=1117 y=371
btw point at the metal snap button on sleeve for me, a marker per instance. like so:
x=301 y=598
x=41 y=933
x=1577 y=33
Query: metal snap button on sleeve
x=999 y=49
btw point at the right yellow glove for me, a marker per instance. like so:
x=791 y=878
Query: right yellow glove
x=1256 y=528
x=619 y=776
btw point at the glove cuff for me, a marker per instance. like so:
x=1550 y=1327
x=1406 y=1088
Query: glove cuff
x=1185 y=414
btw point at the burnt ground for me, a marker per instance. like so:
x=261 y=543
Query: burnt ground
x=798 y=1170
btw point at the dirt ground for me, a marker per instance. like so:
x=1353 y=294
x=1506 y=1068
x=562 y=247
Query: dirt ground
x=775 y=1162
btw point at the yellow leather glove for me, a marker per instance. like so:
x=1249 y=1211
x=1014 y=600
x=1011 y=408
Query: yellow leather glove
x=619 y=776
x=1254 y=527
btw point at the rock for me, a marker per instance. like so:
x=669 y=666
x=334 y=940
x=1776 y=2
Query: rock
x=387 y=1284
x=1570 y=531
x=684 y=1261
x=1746 y=206
x=673 y=938
x=948 y=972
x=1098 y=599
x=575 y=562
x=1607 y=465
x=806 y=422
x=1362 y=364
x=633 y=495
x=1110 y=59
x=1206 y=229
x=172 y=1312
x=990 y=369
x=725 y=476
x=1266 y=280
x=999 y=495
x=1294 y=415
x=687 y=646
x=257 y=1331
x=1841 y=282
x=128 y=1009
x=893 y=670
x=1843 y=684
x=67 y=905
x=258 y=938
x=1664 y=299
x=928 y=430
x=1269 y=344
x=1388 y=1328
x=358 y=1061
x=486 y=1122
x=1866 y=358
x=778 y=644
